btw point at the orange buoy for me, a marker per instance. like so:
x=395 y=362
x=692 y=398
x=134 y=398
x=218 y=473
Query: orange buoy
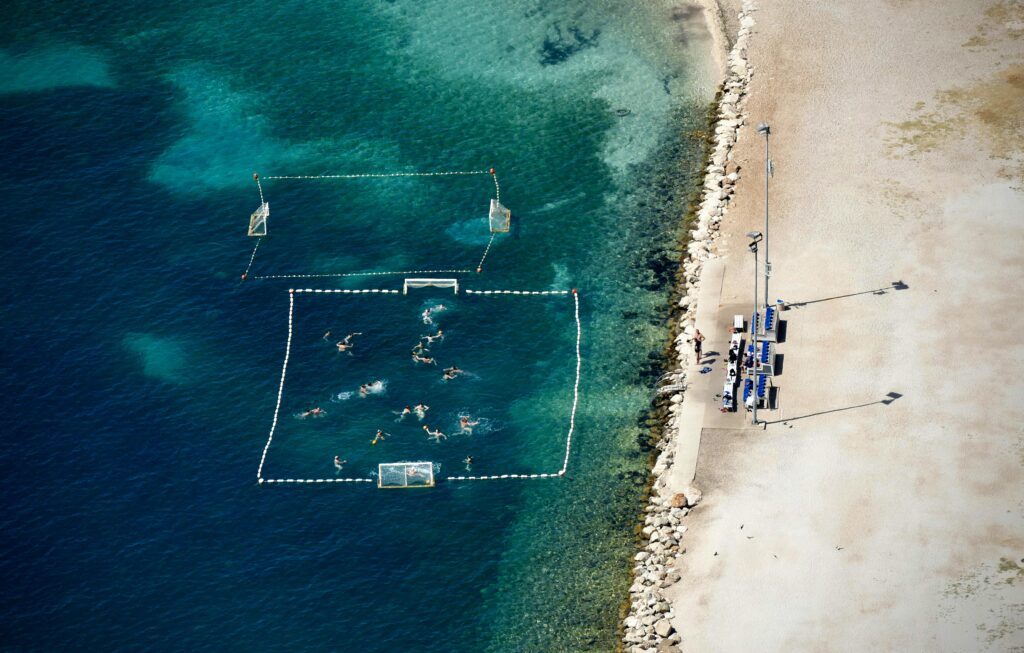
x=492 y=171
x=574 y=291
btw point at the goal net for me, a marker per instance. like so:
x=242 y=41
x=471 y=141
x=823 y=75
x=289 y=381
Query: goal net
x=430 y=283
x=500 y=217
x=258 y=220
x=403 y=475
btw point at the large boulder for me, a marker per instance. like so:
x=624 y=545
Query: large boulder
x=663 y=627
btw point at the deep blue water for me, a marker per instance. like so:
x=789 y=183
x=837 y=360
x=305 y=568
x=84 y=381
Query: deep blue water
x=140 y=375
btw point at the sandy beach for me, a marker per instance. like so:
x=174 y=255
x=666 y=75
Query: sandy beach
x=882 y=506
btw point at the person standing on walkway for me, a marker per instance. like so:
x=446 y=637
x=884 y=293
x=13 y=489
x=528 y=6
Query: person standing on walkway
x=698 y=339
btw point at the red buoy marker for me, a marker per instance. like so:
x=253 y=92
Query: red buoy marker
x=244 y=275
x=479 y=270
x=492 y=171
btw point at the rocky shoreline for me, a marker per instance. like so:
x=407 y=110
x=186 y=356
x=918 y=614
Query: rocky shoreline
x=648 y=627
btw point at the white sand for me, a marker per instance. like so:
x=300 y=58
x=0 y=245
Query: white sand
x=897 y=138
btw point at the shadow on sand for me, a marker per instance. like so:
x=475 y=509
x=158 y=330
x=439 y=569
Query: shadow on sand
x=895 y=285
x=889 y=398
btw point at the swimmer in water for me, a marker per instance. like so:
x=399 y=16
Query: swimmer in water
x=437 y=336
x=465 y=425
x=316 y=411
x=346 y=343
x=426 y=317
x=380 y=436
x=327 y=334
x=401 y=415
x=339 y=463
x=451 y=372
x=469 y=463
x=421 y=410
x=419 y=349
x=423 y=359
x=363 y=390
x=435 y=435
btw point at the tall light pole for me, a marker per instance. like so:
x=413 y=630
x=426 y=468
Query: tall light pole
x=763 y=128
x=755 y=238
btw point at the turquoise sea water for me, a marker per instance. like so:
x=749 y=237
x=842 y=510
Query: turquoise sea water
x=141 y=375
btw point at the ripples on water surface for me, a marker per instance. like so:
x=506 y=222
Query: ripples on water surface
x=141 y=377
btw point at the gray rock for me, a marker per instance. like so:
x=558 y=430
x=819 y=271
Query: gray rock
x=663 y=628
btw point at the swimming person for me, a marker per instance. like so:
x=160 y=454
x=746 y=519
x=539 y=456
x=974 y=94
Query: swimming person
x=401 y=415
x=421 y=410
x=327 y=334
x=380 y=436
x=469 y=463
x=316 y=411
x=426 y=317
x=363 y=389
x=437 y=336
x=451 y=372
x=435 y=435
x=465 y=425
x=346 y=343
x=419 y=349
x=339 y=463
x=423 y=359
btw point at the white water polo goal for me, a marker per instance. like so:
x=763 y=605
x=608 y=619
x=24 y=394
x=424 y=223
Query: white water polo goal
x=499 y=217
x=430 y=283
x=258 y=220
x=405 y=475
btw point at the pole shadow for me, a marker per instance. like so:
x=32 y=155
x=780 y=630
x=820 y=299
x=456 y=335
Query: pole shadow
x=895 y=285
x=889 y=398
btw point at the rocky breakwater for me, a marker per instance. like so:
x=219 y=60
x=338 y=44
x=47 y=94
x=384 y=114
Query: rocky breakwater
x=648 y=628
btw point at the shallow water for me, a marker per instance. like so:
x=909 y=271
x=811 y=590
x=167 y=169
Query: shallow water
x=142 y=376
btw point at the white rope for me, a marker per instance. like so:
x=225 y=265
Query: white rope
x=356 y=274
x=497 y=188
x=517 y=292
x=575 y=386
x=280 y=387
x=252 y=258
x=575 y=396
x=358 y=291
x=316 y=480
x=260 y=186
x=284 y=368
x=480 y=265
x=384 y=174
